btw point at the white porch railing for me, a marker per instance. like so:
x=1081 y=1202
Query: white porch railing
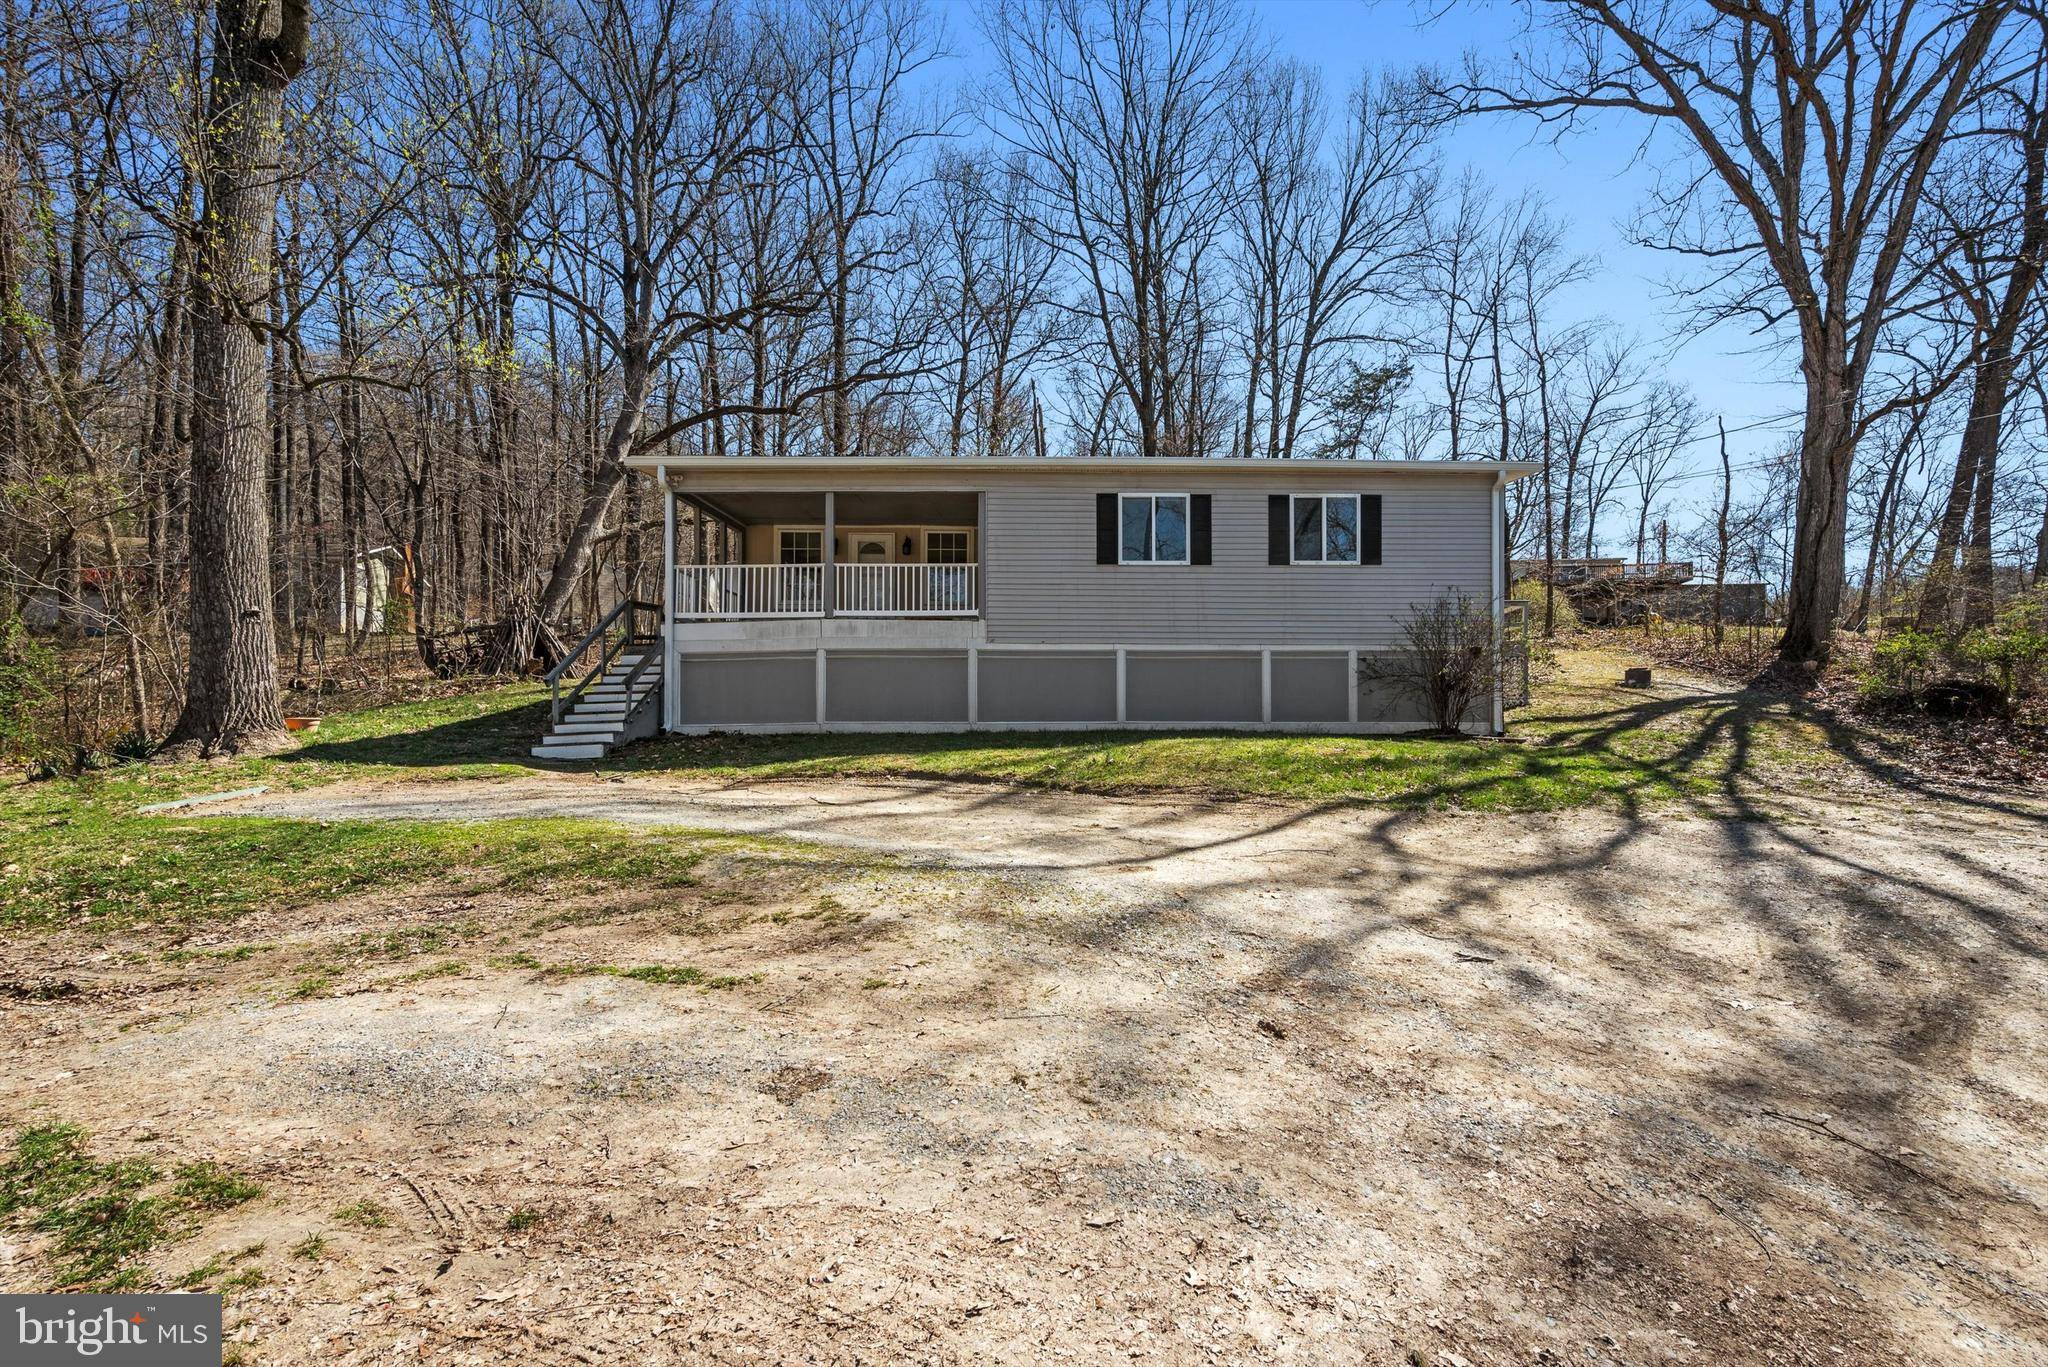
x=714 y=591
x=907 y=590
x=750 y=590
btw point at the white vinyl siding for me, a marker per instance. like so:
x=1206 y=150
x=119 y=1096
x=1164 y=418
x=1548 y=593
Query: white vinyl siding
x=1041 y=584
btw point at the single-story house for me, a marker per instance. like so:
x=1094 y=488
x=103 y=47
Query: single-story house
x=940 y=594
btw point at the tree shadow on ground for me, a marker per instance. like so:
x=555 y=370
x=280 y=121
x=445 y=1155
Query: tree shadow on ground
x=491 y=737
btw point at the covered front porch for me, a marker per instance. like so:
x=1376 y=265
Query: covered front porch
x=873 y=553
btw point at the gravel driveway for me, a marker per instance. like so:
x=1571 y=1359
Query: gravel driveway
x=1032 y=1076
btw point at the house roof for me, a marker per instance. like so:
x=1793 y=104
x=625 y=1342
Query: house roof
x=1083 y=465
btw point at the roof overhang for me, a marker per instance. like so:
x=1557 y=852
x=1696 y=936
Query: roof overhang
x=1081 y=466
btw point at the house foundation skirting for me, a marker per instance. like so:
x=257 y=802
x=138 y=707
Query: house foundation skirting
x=857 y=687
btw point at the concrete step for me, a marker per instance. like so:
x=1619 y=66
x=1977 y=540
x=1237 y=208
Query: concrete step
x=587 y=730
x=590 y=750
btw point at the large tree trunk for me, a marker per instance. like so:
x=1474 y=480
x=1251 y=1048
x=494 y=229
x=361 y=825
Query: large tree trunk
x=1721 y=534
x=1948 y=534
x=1987 y=418
x=1814 y=596
x=231 y=701
x=2041 y=547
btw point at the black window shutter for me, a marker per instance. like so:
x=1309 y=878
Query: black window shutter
x=1368 y=529
x=1105 y=529
x=1198 y=529
x=1279 y=530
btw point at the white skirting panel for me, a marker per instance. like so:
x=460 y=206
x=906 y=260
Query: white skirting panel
x=938 y=686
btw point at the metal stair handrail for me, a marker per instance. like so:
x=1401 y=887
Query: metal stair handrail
x=630 y=609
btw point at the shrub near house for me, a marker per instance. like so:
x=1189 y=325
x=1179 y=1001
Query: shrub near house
x=2002 y=665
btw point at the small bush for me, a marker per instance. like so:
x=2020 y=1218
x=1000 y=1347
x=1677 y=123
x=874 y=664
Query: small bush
x=27 y=669
x=1448 y=660
x=1564 y=617
x=1903 y=662
x=2010 y=655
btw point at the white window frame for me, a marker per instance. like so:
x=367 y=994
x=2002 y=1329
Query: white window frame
x=967 y=532
x=1187 y=498
x=782 y=527
x=1357 y=523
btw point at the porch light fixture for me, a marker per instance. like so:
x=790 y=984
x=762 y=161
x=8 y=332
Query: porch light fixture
x=909 y=547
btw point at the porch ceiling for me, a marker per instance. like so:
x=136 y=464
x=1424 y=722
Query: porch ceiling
x=874 y=508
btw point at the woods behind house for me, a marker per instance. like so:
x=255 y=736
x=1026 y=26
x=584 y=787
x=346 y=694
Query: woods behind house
x=327 y=333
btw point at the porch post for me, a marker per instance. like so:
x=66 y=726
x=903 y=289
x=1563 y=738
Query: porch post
x=829 y=576
x=1498 y=607
x=670 y=685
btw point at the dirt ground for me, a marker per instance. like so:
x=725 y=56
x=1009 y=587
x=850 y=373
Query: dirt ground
x=1035 y=1077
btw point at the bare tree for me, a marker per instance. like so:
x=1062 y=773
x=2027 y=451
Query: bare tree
x=1813 y=132
x=1120 y=109
x=1542 y=269
x=1990 y=248
x=668 y=111
x=845 y=69
x=1721 y=532
x=989 y=277
x=1658 y=435
x=1322 y=250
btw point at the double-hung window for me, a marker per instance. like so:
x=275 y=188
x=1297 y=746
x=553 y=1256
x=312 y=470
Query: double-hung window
x=1153 y=529
x=1325 y=529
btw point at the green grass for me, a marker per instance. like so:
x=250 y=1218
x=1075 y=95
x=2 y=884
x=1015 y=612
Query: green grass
x=666 y=975
x=364 y=1214
x=215 y=1273
x=104 y=1216
x=72 y=854
x=210 y=1186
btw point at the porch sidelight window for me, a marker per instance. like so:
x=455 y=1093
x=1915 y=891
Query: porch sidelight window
x=1326 y=529
x=801 y=548
x=1154 y=529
